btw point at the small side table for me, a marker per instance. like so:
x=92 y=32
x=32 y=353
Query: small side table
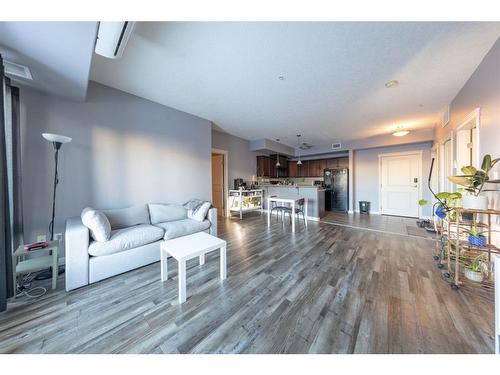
x=187 y=247
x=47 y=259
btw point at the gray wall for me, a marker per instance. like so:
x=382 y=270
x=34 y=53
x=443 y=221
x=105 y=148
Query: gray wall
x=125 y=151
x=366 y=170
x=242 y=161
x=481 y=90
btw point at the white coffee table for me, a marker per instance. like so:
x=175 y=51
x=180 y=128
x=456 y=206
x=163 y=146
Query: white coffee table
x=188 y=247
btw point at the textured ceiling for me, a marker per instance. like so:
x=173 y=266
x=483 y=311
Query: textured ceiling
x=334 y=74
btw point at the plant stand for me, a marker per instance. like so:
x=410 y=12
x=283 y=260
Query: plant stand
x=242 y=201
x=460 y=253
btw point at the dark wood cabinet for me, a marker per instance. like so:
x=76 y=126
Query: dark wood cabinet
x=282 y=170
x=266 y=166
x=316 y=167
x=292 y=169
x=303 y=169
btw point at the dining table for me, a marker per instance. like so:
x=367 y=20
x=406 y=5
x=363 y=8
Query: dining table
x=290 y=200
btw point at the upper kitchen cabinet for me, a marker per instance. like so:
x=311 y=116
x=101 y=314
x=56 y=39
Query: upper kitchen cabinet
x=316 y=167
x=303 y=169
x=293 y=169
x=337 y=163
x=264 y=166
x=282 y=169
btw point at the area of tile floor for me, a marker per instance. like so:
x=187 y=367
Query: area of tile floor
x=382 y=223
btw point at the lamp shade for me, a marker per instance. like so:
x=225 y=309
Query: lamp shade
x=56 y=138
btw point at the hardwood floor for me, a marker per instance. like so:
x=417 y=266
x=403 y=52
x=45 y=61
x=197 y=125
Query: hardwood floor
x=327 y=289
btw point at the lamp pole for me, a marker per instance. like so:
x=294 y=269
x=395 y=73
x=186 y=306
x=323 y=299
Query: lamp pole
x=57 y=146
x=57 y=141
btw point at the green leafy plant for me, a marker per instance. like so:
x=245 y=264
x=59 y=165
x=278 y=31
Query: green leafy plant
x=476 y=263
x=473 y=179
x=447 y=201
x=474 y=231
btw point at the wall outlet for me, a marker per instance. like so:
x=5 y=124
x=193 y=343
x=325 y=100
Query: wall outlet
x=41 y=238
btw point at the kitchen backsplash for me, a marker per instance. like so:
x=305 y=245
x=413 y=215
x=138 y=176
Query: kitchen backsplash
x=309 y=181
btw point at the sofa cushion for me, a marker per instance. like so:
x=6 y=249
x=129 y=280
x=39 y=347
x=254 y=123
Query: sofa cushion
x=197 y=209
x=126 y=239
x=128 y=217
x=162 y=213
x=174 y=229
x=97 y=223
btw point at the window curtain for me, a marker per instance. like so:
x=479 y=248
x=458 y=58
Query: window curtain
x=11 y=220
x=5 y=239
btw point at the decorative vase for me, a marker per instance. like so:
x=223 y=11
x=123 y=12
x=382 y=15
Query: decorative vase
x=479 y=202
x=473 y=275
x=478 y=241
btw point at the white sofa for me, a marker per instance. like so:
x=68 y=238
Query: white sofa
x=136 y=233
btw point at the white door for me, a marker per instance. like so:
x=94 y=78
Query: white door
x=400 y=184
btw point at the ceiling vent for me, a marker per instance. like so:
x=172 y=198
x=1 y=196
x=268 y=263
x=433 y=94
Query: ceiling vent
x=305 y=146
x=17 y=70
x=336 y=146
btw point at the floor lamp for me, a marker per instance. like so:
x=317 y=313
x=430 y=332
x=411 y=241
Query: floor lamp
x=57 y=141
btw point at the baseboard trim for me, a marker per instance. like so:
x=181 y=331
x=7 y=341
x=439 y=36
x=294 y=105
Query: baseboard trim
x=371 y=212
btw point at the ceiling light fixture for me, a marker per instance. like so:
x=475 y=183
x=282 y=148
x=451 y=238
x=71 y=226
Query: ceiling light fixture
x=400 y=131
x=392 y=83
x=281 y=78
x=299 y=162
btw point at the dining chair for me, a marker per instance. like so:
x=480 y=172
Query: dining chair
x=279 y=209
x=299 y=209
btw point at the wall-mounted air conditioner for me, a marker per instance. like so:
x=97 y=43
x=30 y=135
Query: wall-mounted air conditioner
x=112 y=37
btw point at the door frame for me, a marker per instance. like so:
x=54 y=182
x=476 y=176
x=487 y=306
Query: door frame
x=225 y=155
x=402 y=153
x=475 y=115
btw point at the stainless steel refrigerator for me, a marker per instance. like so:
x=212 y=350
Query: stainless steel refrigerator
x=336 y=189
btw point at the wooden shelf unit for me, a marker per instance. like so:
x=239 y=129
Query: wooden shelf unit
x=236 y=201
x=456 y=250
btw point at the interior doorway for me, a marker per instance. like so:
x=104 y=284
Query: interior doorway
x=219 y=181
x=400 y=183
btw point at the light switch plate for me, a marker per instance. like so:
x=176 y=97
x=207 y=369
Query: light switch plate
x=41 y=238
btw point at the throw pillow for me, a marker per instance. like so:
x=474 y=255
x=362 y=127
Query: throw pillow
x=197 y=209
x=98 y=224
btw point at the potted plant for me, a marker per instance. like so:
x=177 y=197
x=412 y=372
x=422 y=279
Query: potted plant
x=473 y=181
x=476 y=237
x=474 y=270
x=444 y=206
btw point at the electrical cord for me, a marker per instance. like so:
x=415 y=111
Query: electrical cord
x=24 y=287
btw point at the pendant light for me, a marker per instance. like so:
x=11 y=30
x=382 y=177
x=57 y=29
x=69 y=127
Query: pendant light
x=299 y=162
x=278 y=156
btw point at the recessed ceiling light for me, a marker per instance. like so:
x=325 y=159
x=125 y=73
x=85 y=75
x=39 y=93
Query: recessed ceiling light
x=391 y=83
x=400 y=131
x=281 y=78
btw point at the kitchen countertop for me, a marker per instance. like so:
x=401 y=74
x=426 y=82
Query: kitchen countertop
x=293 y=186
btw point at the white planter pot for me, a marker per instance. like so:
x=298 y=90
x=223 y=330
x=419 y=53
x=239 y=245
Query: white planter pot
x=478 y=203
x=474 y=276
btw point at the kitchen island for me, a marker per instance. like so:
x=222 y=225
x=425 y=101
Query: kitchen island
x=315 y=197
